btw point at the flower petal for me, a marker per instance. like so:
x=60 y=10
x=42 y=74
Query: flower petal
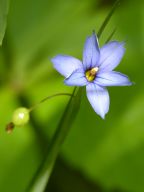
x=111 y=55
x=112 y=78
x=77 y=78
x=98 y=98
x=65 y=64
x=91 y=52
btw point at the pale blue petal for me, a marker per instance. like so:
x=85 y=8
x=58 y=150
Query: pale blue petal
x=111 y=55
x=77 y=78
x=98 y=98
x=65 y=64
x=112 y=78
x=91 y=52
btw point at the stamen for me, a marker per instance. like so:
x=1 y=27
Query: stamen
x=91 y=74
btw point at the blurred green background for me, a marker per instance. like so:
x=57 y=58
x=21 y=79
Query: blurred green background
x=98 y=155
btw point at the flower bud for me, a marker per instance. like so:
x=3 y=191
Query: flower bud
x=20 y=116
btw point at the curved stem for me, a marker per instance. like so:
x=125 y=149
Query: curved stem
x=49 y=97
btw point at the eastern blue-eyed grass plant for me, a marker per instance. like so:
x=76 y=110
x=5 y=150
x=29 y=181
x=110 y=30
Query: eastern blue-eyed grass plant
x=95 y=71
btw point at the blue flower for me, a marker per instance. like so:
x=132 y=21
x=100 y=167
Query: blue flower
x=95 y=71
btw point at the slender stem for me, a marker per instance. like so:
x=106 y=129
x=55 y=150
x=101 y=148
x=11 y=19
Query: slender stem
x=49 y=97
x=108 y=18
x=110 y=36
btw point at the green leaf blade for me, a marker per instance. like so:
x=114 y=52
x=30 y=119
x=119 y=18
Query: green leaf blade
x=107 y=19
x=4 y=5
x=41 y=178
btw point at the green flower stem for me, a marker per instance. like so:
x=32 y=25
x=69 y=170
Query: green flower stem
x=41 y=178
x=49 y=97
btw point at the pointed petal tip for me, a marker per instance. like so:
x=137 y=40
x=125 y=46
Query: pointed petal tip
x=99 y=99
x=54 y=60
x=102 y=116
x=91 y=52
x=67 y=83
x=112 y=78
x=93 y=32
x=111 y=55
x=131 y=83
x=51 y=59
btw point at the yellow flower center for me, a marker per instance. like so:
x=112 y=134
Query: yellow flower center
x=91 y=74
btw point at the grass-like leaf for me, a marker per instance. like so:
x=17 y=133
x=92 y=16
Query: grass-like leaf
x=4 y=4
x=110 y=36
x=41 y=178
x=107 y=19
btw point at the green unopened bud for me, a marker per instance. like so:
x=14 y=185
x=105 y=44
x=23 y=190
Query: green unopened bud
x=20 y=116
